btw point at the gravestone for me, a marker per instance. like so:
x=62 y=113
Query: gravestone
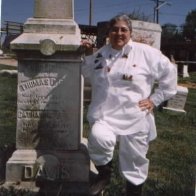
x=185 y=73
x=48 y=136
x=177 y=103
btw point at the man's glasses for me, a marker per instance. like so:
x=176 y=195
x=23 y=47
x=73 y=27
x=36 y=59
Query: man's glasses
x=117 y=29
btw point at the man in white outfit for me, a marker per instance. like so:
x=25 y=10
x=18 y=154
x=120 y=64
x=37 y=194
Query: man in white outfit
x=122 y=76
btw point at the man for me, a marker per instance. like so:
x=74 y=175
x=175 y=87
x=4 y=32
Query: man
x=122 y=76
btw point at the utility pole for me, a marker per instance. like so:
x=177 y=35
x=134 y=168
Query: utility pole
x=156 y=11
x=159 y=4
x=90 y=12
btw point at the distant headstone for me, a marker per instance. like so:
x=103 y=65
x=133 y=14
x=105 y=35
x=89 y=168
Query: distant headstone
x=177 y=103
x=185 y=71
x=147 y=32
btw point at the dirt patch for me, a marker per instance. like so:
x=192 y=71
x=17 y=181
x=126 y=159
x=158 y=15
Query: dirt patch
x=8 y=61
x=188 y=85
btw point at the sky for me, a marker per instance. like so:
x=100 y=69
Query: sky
x=103 y=10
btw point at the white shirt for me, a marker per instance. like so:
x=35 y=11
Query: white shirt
x=120 y=79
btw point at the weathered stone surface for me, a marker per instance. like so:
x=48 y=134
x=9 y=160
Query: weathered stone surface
x=48 y=112
x=177 y=103
x=146 y=32
x=21 y=162
x=53 y=21
x=50 y=26
x=25 y=188
x=64 y=33
x=61 y=166
x=58 y=9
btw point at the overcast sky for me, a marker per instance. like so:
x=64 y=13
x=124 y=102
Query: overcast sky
x=20 y=10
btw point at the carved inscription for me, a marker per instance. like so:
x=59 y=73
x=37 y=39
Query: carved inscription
x=38 y=114
x=51 y=168
x=46 y=106
x=178 y=102
x=38 y=92
x=56 y=172
x=44 y=128
x=37 y=82
x=51 y=82
x=28 y=172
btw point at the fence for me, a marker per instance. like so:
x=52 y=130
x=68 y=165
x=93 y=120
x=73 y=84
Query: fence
x=184 y=67
x=12 y=28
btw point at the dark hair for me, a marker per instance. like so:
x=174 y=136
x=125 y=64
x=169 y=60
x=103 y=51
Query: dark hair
x=123 y=17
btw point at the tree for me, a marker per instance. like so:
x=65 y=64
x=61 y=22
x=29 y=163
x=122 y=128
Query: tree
x=189 y=28
x=171 y=32
x=138 y=15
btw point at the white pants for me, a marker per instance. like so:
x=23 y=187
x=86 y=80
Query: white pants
x=132 y=151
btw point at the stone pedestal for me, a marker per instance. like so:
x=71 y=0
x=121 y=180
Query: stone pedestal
x=48 y=137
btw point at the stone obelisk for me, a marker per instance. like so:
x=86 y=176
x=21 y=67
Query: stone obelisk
x=48 y=135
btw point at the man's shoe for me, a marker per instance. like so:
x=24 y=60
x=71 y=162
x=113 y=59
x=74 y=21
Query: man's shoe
x=133 y=190
x=99 y=184
x=102 y=179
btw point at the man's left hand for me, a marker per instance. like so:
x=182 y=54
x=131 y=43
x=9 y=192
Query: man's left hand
x=146 y=104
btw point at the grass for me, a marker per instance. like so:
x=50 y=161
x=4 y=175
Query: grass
x=172 y=154
x=8 y=88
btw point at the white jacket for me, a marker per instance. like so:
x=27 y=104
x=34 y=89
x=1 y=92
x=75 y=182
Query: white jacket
x=120 y=79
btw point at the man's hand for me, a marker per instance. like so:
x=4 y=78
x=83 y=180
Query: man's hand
x=146 y=104
x=87 y=47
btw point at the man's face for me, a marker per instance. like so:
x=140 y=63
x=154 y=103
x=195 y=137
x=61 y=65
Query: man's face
x=119 y=35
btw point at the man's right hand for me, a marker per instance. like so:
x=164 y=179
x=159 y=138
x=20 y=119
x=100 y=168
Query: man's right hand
x=87 y=47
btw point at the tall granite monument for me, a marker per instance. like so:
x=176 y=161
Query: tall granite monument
x=48 y=136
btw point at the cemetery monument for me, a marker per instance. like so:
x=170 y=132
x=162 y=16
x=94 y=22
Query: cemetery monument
x=48 y=135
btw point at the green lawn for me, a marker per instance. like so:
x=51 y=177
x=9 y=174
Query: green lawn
x=8 y=88
x=172 y=154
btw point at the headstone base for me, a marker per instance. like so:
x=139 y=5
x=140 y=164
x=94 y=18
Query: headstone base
x=20 y=166
x=53 y=166
x=25 y=188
